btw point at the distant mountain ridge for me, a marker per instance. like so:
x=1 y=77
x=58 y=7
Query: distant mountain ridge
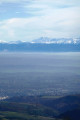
x=43 y=44
x=57 y=40
x=47 y=40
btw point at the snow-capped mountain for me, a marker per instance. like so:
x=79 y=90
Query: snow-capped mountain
x=1 y=41
x=13 y=42
x=47 y=40
x=42 y=45
x=57 y=40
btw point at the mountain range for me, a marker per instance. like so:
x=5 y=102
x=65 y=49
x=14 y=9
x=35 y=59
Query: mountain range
x=43 y=44
x=57 y=40
x=47 y=40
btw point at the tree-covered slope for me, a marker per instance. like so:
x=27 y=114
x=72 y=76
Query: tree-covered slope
x=40 y=108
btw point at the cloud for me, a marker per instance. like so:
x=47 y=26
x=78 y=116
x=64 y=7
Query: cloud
x=13 y=1
x=18 y=28
x=48 y=18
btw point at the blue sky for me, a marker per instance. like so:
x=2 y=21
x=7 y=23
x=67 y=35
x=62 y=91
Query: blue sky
x=30 y=19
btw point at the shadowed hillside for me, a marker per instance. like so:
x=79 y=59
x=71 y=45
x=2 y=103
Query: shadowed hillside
x=40 y=108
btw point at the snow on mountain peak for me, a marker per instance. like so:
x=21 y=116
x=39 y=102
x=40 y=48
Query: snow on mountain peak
x=47 y=40
x=56 y=40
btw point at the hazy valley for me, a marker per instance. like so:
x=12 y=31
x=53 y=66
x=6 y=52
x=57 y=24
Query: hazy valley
x=39 y=86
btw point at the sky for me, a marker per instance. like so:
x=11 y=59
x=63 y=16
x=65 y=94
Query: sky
x=27 y=20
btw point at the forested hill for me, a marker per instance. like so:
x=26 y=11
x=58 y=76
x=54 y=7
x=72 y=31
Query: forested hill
x=41 y=108
x=61 y=104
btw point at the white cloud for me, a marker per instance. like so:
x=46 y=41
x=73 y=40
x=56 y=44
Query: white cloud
x=50 y=18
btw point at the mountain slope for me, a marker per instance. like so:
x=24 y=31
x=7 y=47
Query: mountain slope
x=61 y=104
x=71 y=115
x=41 y=108
x=39 y=47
